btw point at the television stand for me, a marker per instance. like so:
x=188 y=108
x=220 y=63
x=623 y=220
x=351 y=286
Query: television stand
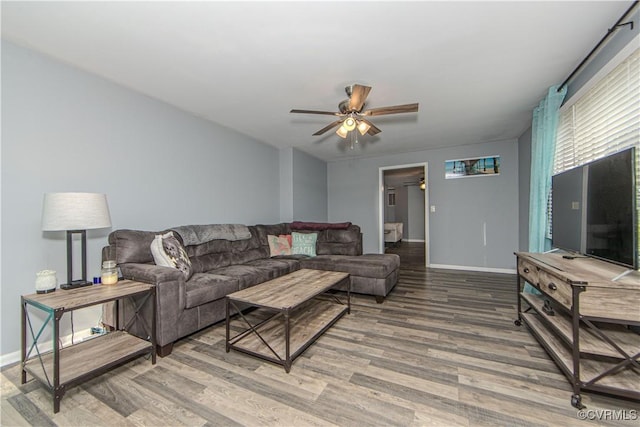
x=590 y=336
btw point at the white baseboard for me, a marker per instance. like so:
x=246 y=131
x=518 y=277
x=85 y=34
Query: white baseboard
x=10 y=358
x=469 y=268
x=414 y=240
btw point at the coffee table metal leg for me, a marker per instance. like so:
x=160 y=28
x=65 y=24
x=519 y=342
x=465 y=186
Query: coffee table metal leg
x=287 y=360
x=227 y=346
x=348 y=295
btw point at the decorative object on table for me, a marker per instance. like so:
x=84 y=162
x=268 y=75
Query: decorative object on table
x=75 y=213
x=478 y=166
x=46 y=281
x=109 y=273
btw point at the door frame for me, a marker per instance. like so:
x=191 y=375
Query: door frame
x=381 y=201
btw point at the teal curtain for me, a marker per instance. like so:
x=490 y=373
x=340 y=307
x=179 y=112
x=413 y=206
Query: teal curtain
x=543 y=145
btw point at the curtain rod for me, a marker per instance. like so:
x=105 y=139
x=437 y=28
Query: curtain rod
x=617 y=25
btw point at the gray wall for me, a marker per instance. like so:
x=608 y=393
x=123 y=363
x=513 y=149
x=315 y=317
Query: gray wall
x=464 y=207
x=614 y=44
x=286 y=184
x=66 y=130
x=415 y=213
x=309 y=187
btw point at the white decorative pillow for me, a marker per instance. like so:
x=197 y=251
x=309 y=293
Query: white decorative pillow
x=167 y=251
x=159 y=256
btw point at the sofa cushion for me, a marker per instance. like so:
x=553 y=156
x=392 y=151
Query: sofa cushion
x=206 y=287
x=247 y=275
x=304 y=243
x=318 y=226
x=340 y=242
x=211 y=261
x=326 y=248
x=212 y=247
x=132 y=245
x=279 y=266
x=263 y=231
x=368 y=265
x=350 y=235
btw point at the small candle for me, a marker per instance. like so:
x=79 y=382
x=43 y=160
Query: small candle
x=109 y=278
x=109 y=273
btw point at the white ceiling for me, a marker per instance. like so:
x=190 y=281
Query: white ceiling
x=476 y=68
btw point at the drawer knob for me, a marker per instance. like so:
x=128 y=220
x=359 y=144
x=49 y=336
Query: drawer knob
x=553 y=286
x=526 y=270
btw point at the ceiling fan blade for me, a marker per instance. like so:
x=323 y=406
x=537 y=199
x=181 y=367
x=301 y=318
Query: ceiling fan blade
x=326 y=128
x=359 y=94
x=396 y=109
x=329 y=113
x=373 y=129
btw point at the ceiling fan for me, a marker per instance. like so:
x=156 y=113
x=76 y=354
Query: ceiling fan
x=352 y=115
x=420 y=182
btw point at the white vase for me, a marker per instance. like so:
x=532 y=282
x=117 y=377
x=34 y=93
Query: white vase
x=46 y=281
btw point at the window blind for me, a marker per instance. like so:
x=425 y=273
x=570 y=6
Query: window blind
x=604 y=121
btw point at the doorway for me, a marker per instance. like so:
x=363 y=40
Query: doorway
x=403 y=197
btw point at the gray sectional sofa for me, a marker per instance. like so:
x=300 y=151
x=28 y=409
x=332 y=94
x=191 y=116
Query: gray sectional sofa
x=221 y=266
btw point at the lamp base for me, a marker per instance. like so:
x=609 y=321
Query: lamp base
x=45 y=291
x=75 y=284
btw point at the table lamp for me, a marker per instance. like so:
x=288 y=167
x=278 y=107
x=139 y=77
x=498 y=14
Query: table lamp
x=75 y=213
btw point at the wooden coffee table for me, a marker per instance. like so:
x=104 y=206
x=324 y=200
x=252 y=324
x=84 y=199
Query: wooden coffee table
x=298 y=314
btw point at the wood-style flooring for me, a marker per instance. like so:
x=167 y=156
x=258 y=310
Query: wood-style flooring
x=442 y=350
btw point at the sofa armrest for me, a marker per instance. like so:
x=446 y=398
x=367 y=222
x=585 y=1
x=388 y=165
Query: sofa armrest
x=150 y=273
x=170 y=296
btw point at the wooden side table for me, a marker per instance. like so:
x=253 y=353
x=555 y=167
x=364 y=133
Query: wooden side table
x=63 y=368
x=583 y=318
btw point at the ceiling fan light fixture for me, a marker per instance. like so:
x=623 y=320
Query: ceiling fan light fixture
x=342 y=132
x=423 y=185
x=349 y=124
x=351 y=115
x=363 y=128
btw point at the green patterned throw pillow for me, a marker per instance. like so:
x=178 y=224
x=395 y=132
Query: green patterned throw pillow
x=304 y=243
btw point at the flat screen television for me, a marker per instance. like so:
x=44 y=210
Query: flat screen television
x=567 y=220
x=611 y=209
x=594 y=209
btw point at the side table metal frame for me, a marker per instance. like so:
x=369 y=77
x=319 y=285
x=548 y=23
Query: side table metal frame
x=54 y=315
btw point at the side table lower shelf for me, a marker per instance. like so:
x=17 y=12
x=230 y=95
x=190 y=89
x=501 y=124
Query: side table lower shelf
x=622 y=383
x=90 y=358
x=307 y=325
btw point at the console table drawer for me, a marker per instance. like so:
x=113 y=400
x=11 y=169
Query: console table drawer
x=556 y=288
x=528 y=271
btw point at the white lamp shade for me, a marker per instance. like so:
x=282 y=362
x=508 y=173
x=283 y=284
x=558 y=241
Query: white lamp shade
x=363 y=128
x=75 y=211
x=342 y=132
